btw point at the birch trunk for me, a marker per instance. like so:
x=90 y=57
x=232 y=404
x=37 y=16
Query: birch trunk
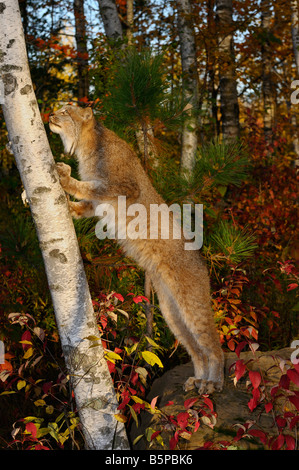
x=227 y=75
x=111 y=21
x=82 y=54
x=93 y=388
x=267 y=86
x=190 y=84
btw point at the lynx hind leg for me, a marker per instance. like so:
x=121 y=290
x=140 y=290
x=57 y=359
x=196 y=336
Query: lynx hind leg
x=175 y=322
x=210 y=348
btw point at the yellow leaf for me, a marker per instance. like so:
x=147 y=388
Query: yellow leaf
x=112 y=356
x=49 y=409
x=120 y=418
x=21 y=384
x=28 y=353
x=40 y=402
x=151 y=358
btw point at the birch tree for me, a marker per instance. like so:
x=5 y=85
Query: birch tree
x=92 y=384
x=111 y=21
x=190 y=83
x=227 y=75
x=82 y=54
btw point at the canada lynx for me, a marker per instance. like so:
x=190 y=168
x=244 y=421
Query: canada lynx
x=109 y=168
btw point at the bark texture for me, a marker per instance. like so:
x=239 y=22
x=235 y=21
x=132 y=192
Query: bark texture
x=82 y=53
x=92 y=383
x=267 y=85
x=227 y=75
x=111 y=21
x=190 y=83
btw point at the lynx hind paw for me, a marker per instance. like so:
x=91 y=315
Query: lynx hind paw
x=203 y=386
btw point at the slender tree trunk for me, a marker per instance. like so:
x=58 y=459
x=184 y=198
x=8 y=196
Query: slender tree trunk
x=295 y=32
x=211 y=67
x=130 y=21
x=267 y=85
x=82 y=53
x=190 y=84
x=111 y=21
x=295 y=38
x=227 y=75
x=93 y=387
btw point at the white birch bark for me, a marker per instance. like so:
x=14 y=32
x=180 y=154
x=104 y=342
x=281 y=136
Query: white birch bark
x=111 y=21
x=190 y=84
x=93 y=388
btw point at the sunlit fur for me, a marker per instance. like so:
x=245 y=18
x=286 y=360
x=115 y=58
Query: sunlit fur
x=109 y=168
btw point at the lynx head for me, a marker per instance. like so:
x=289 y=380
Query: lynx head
x=70 y=122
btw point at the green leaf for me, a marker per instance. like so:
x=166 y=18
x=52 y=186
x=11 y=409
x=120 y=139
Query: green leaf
x=151 y=358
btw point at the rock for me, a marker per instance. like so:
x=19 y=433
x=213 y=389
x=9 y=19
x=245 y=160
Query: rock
x=231 y=405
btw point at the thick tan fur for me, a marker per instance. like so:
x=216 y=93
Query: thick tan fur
x=109 y=168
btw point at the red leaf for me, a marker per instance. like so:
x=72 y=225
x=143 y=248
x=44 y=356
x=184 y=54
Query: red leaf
x=231 y=344
x=240 y=347
x=292 y=286
x=118 y=296
x=268 y=407
x=240 y=369
x=196 y=426
x=295 y=401
x=278 y=443
x=26 y=336
x=281 y=422
x=290 y=442
x=173 y=441
x=284 y=382
x=293 y=376
x=190 y=402
x=155 y=434
x=255 y=378
x=209 y=403
x=169 y=403
x=252 y=404
x=30 y=427
x=260 y=434
x=182 y=419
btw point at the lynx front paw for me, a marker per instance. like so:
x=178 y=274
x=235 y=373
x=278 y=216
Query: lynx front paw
x=63 y=170
x=203 y=386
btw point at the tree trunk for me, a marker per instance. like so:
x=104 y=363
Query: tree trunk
x=111 y=21
x=211 y=67
x=93 y=387
x=295 y=38
x=190 y=84
x=82 y=54
x=267 y=86
x=295 y=32
x=130 y=21
x=227 y=76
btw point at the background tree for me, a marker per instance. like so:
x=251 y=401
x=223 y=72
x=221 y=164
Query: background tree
x=227 y=75
x=82 y=53
x=87 y=366
x=189 y=83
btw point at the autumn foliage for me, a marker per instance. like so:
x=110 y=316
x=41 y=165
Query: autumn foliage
x=249 y=192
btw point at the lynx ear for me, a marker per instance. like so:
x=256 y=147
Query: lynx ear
x=88 y=114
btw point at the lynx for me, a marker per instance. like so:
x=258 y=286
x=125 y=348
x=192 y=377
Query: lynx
x=109 y=168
